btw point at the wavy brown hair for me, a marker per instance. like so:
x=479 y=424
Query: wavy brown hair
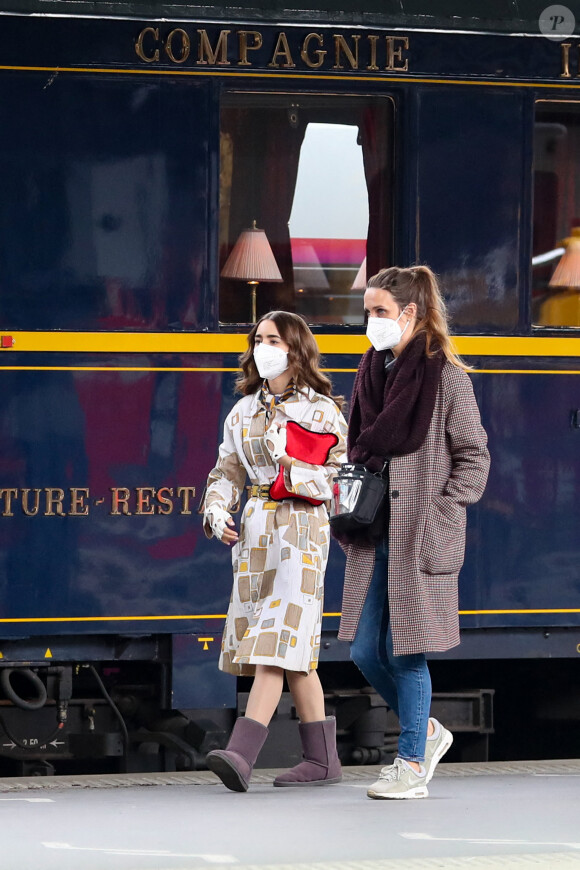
x=303 y=357
x=419 y=284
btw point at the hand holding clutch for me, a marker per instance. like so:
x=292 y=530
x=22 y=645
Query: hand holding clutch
x=306 y=446
x=276 y=441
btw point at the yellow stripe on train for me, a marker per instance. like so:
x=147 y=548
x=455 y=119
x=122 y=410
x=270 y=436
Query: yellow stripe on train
x=224 y=343
x=202 y=616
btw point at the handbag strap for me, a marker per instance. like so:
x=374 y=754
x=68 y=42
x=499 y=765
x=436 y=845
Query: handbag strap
x=384 y=469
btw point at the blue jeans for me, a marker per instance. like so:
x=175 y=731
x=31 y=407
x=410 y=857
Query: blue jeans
x=403 y=681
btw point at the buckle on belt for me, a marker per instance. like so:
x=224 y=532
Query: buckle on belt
x=261 y=490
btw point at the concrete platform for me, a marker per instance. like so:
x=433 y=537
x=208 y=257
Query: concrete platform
x=516 y=815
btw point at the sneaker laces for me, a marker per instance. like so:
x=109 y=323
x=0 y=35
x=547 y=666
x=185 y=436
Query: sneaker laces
x=392 y=773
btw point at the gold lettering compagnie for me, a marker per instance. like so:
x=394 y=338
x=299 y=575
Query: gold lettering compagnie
x=76 y=501
x=236 y=47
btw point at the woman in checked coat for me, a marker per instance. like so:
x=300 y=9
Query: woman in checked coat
x=279 y=557
x=412 y=404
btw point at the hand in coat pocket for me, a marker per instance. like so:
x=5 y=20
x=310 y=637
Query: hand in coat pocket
x=443 y=547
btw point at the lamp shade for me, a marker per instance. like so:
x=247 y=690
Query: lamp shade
x=360 y=282
x=308 y=273
x=251 y=258
x=567 y=272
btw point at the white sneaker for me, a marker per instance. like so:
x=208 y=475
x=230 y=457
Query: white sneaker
x=399 y=782
x=436 y=747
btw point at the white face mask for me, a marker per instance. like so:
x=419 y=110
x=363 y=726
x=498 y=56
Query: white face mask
x=270 y=361
x=384 y=333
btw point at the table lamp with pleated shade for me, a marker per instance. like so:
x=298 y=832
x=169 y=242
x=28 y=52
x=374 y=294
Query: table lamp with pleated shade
x=360 y=281
x=567 y=272
x=251 y=259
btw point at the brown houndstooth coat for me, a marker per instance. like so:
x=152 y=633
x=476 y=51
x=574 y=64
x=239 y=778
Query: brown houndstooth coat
x=429 y=490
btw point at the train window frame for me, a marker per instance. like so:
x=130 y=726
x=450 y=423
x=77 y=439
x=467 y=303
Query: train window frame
x=288 y=99
x=558 y=299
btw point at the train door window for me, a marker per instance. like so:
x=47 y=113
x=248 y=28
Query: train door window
x=556 y=228
x=316 y=174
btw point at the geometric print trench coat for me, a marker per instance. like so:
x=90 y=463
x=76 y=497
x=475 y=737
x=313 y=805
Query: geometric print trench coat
x=275 y=612
x=428 y=491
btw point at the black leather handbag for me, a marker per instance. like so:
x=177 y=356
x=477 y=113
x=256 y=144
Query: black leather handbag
x=358 y=500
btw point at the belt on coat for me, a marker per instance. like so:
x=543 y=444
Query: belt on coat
x=261 y=490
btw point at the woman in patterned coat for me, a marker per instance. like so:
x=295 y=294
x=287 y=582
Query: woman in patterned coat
x=279 y=555
x=412 y=404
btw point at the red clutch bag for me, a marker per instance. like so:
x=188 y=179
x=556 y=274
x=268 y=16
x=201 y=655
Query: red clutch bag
x=310 y=447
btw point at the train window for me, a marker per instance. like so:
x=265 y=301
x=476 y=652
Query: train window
x=315 y=173
x=103 y=205
x=556 y=230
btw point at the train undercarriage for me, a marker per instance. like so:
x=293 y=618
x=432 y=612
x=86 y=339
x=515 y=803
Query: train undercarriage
x=114 y=713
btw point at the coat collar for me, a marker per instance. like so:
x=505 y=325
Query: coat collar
x=291 y=407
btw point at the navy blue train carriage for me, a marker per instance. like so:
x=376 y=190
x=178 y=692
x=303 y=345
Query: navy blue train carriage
x=134 y=152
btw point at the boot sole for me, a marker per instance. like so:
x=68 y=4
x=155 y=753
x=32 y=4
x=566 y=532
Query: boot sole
x=314 y=782
x=227 y=772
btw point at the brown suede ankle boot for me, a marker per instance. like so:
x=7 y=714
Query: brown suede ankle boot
x=321 y=765
x=234 y=764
